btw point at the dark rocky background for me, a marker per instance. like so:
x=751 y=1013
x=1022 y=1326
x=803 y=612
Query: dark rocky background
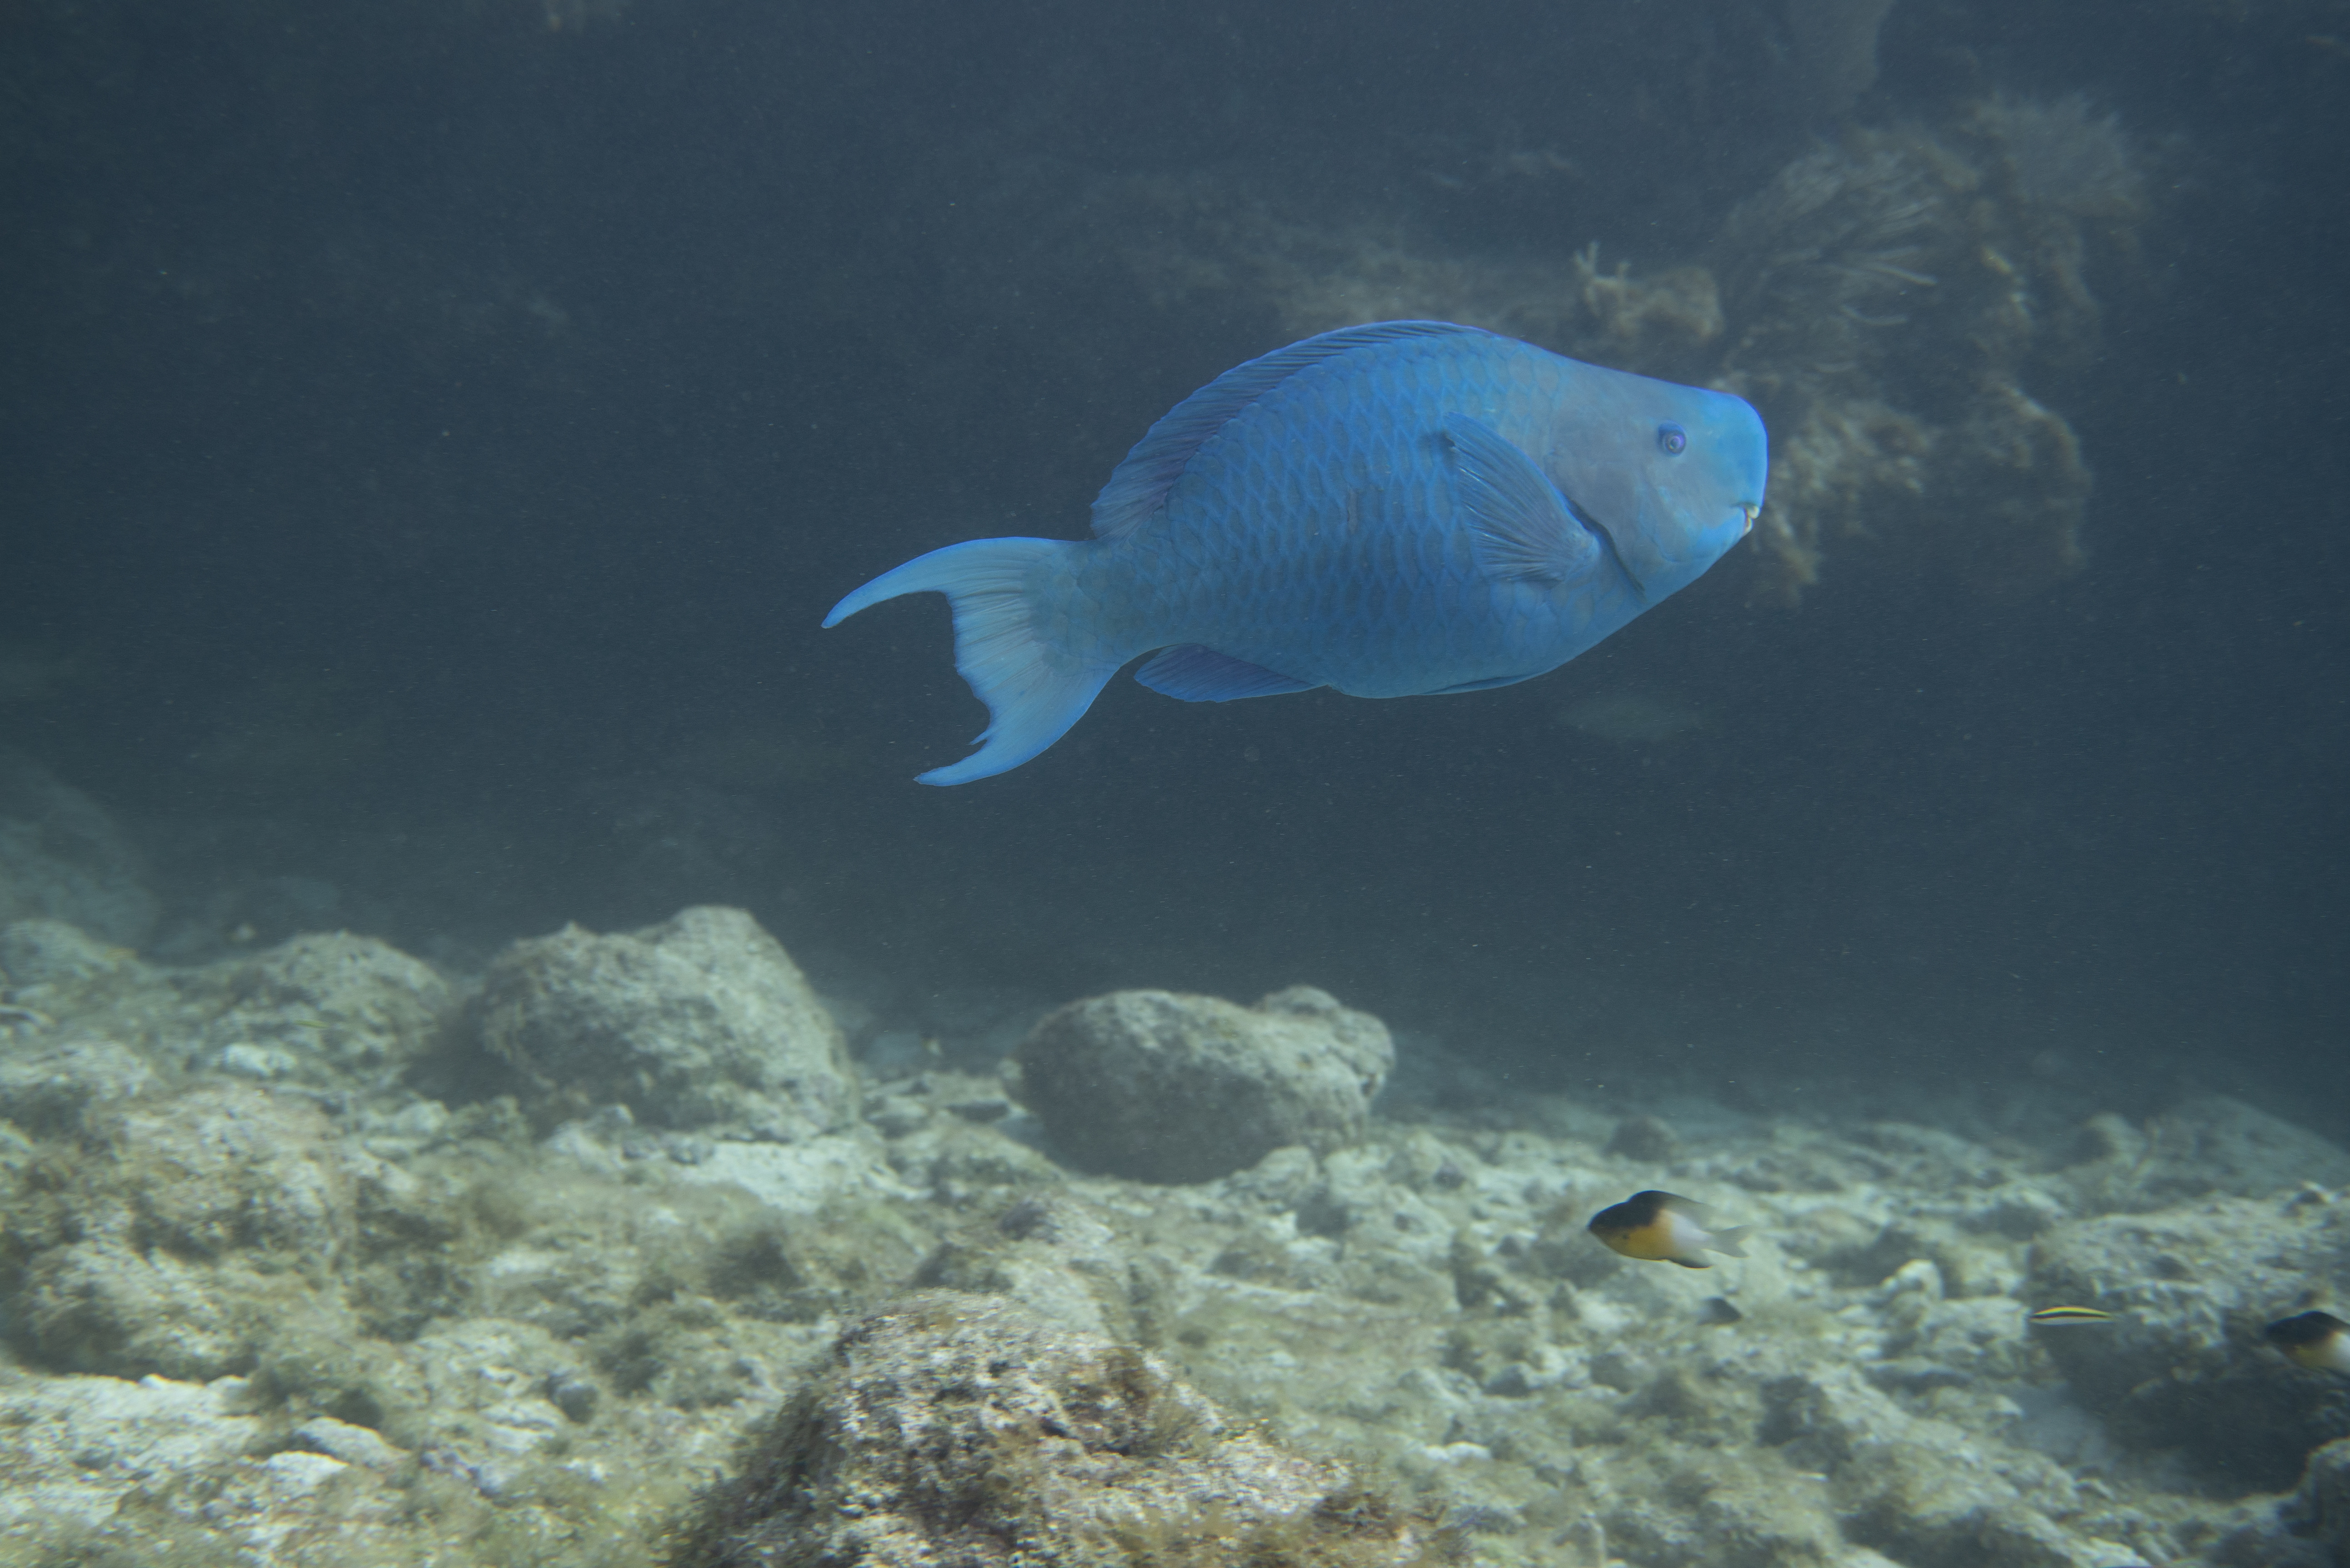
x=432 y=432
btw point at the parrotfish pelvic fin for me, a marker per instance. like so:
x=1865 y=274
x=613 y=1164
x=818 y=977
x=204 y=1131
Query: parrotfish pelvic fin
x=1034 y=690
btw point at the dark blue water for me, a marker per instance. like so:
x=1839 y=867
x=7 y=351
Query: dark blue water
x=432 y=434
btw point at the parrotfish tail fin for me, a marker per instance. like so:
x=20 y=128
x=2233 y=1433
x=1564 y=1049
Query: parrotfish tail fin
x=1005 y=646
x=1726 y=1241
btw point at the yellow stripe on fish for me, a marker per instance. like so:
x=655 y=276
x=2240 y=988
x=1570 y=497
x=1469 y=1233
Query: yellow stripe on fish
x=2058 y=1316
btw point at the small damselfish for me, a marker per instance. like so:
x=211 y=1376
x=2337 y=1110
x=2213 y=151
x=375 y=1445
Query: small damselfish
x=2317 y=1340
x=1403 y=509
x=1664 y=1228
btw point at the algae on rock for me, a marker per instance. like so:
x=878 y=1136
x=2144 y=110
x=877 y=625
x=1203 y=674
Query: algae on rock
x=965 y=1430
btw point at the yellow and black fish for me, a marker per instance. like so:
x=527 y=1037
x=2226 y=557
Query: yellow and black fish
x=2317 y=1340
x=2064 y=1316
x=1658 y=1227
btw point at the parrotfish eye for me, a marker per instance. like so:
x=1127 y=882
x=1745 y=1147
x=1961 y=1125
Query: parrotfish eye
x=1671 y=439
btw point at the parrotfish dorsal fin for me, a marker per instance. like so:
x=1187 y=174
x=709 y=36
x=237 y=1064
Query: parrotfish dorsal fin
x=1140 y=483
x=1524 y=531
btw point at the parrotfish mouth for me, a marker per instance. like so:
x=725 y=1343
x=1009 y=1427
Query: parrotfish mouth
x=1752 y=509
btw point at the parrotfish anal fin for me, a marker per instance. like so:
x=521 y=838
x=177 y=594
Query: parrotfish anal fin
x=1140 y=483
x=1487 y=684
x=1198 y=674
x=1523 y=527
x=1034 y=692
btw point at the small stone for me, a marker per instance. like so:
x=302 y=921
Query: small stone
x=260 y=1062
x=1645 y=1139
x=354 y=1445
x=896 y=1115
x=573 y=1394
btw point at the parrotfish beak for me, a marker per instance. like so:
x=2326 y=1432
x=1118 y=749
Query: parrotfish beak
x=1752 y=509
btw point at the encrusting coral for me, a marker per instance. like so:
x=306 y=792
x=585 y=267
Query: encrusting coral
x=1893 y=293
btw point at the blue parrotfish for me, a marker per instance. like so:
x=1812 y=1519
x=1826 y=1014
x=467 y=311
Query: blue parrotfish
x=1394 y=510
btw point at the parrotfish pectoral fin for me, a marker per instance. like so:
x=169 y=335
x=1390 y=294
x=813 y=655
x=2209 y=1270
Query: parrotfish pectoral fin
x=1198 y=674
x=1523 y=528
x=1034 y=689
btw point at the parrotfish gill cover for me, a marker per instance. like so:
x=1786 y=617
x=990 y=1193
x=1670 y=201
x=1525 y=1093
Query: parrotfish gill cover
x=1405 y=508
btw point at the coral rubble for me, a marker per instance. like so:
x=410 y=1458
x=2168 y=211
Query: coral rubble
x=319 y=1316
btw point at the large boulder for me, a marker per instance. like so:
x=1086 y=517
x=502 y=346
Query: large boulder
x=702 y=1021
x=1160 y=1087
x=2311 y=1528
x=331 y=1009
x=63 y=858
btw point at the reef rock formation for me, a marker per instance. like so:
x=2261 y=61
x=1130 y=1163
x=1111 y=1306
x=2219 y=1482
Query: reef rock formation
x=2182 y=1365
x=955 y=1428
x=189 y=1225
x=1891 y=295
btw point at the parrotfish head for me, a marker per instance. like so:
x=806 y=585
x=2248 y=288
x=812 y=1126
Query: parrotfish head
x=1672 y=475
